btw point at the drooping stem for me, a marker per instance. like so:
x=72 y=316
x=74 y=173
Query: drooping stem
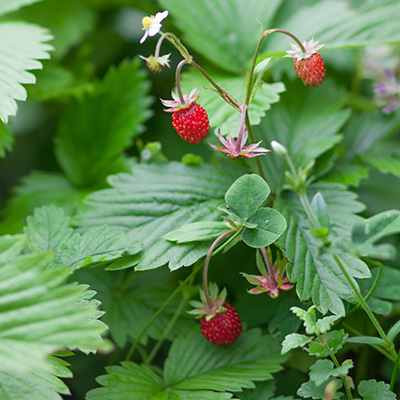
x=270 y=268
x=178 y=79
x=295 y=38
x=207 y=262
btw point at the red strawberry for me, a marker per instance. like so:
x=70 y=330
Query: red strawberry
x=308 y=64
x=191 y=123
x=311 y=70
x=224 y=328
x=190 y=119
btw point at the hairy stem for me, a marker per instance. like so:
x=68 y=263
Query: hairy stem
x=269 y=266
x=295 y=38
x=178 y=79
x=207 y=262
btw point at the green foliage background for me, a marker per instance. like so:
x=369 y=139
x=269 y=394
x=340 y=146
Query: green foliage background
x=95 y=185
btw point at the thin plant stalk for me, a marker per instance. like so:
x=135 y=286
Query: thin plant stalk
x=337 y=365
x=207 y=262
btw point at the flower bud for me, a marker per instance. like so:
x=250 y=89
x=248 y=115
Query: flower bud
x=156 y=64
x=279 y=148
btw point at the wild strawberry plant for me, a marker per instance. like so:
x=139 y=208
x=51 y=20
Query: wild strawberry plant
x=254 y=259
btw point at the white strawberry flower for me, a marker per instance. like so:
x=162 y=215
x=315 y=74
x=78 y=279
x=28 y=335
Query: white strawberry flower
x=310 y=47
x=152 y=24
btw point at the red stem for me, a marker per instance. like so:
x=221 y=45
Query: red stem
x=207 y=262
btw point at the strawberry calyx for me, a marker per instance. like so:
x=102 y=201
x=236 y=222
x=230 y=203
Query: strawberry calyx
x=176 y=104
x=209 y=310
x=311 y=47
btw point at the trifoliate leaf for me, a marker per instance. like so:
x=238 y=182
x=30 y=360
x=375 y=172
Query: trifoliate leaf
x=247 y=194
x=270 y=226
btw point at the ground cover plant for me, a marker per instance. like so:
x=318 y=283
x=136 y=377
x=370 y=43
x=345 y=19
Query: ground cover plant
x=200 y=199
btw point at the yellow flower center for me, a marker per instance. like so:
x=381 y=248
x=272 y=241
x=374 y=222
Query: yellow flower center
x=146 y=21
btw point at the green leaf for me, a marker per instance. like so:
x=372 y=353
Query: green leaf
x=373 y=390
x=340 y=25
x=294 y=340
x=316 y=273
x=335 y=341
x=322 y=370
x=49 y=229
x=207 y=26
x=366 y=233
x=270 y=226
x=130 y=300
x=97 y=244
x=21 y=51
x=310 y=389
x=127 y=381
x=366 y=340
x=388 y=284
x=38 y=312
x=305 y=125
x=246 y=194
x=223 y=116
x=197 y=231
x=34 y=191
x=13 y=5
x=195 y=364
x=393 y=331
x=263 y=391
x=185 y=194
x=38 y=384
x=195 y=369
x=318 y=205
x=110 y=115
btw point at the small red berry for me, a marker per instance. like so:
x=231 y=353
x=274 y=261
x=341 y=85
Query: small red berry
x=190 y=119
x=191 y=123
x=224 y=328
x=310 y=70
